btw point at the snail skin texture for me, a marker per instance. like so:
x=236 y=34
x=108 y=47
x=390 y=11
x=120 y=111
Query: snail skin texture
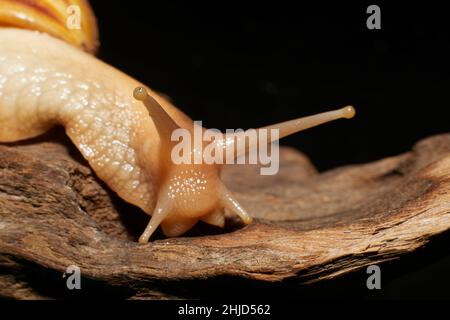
x=120 y=126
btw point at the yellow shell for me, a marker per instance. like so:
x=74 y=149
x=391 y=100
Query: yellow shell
x=70 y=20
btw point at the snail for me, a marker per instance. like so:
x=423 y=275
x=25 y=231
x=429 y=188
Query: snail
x=48 y=76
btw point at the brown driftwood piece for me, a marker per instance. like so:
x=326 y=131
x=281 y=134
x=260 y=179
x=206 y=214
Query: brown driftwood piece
x=309 y=227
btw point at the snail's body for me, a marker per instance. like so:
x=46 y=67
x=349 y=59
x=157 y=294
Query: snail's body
x=45 y=82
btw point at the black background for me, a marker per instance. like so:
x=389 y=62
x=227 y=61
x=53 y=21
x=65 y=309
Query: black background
x=236 y=66
x=240 y=66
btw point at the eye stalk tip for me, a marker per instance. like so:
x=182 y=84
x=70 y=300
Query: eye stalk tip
x=348 y=112
x=140 y=93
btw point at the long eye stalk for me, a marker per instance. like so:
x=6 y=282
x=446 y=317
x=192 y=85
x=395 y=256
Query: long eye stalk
x=284 y=129
x=163 y=122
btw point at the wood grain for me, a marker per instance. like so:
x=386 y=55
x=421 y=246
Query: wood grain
x=309 y=227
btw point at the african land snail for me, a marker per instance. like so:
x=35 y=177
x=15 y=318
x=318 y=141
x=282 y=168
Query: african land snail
x=120 y=126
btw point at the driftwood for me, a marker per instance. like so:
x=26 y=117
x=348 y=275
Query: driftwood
x=309 y=227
